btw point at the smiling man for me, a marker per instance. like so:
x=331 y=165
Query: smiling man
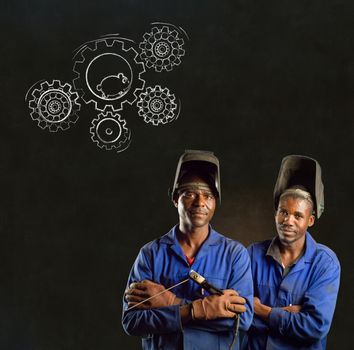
x=187 y=316
x=296 y=279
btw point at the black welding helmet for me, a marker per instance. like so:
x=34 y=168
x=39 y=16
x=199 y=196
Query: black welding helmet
x=202 y=163
x=302 y=171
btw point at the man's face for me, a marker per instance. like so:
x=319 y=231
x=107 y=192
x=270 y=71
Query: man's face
x=292 y=218
x=195 y=203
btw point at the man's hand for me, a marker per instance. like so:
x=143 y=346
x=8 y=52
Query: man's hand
x=292 y=308
x=260 y=309
x=140 y=291
x=263 y=310
x=215 y=306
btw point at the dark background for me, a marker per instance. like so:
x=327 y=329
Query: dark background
x=260 y=80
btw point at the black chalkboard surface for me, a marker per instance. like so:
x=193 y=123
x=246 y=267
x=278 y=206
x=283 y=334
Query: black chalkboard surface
x=252 y=81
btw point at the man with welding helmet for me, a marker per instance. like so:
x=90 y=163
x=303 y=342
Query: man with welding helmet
x=296 y=279
x=189 y=316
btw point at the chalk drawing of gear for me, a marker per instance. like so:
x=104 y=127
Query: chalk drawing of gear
x=109 y=131
x=54 y=106
x=162 y=47
x=158 y=105
x=108 y=72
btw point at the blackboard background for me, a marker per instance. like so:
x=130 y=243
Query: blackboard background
x=260 y=80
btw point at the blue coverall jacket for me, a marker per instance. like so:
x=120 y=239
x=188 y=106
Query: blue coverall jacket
x=222 y=261
x=312 y=283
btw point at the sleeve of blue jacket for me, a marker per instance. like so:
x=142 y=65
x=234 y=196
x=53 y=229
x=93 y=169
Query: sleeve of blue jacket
x=241 y=281
x=257 y=322
x=143 y=322
x=313 y=321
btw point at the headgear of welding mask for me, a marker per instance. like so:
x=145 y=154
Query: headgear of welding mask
x=304 y=172
x=201 y=163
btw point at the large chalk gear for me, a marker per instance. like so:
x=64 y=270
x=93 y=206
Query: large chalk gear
x=297 y=170
x=197 y=161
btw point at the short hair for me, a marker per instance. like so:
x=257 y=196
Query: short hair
x=298 y=193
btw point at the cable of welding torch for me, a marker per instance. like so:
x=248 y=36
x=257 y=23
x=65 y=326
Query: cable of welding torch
x=235 y=332
x=154 y=296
